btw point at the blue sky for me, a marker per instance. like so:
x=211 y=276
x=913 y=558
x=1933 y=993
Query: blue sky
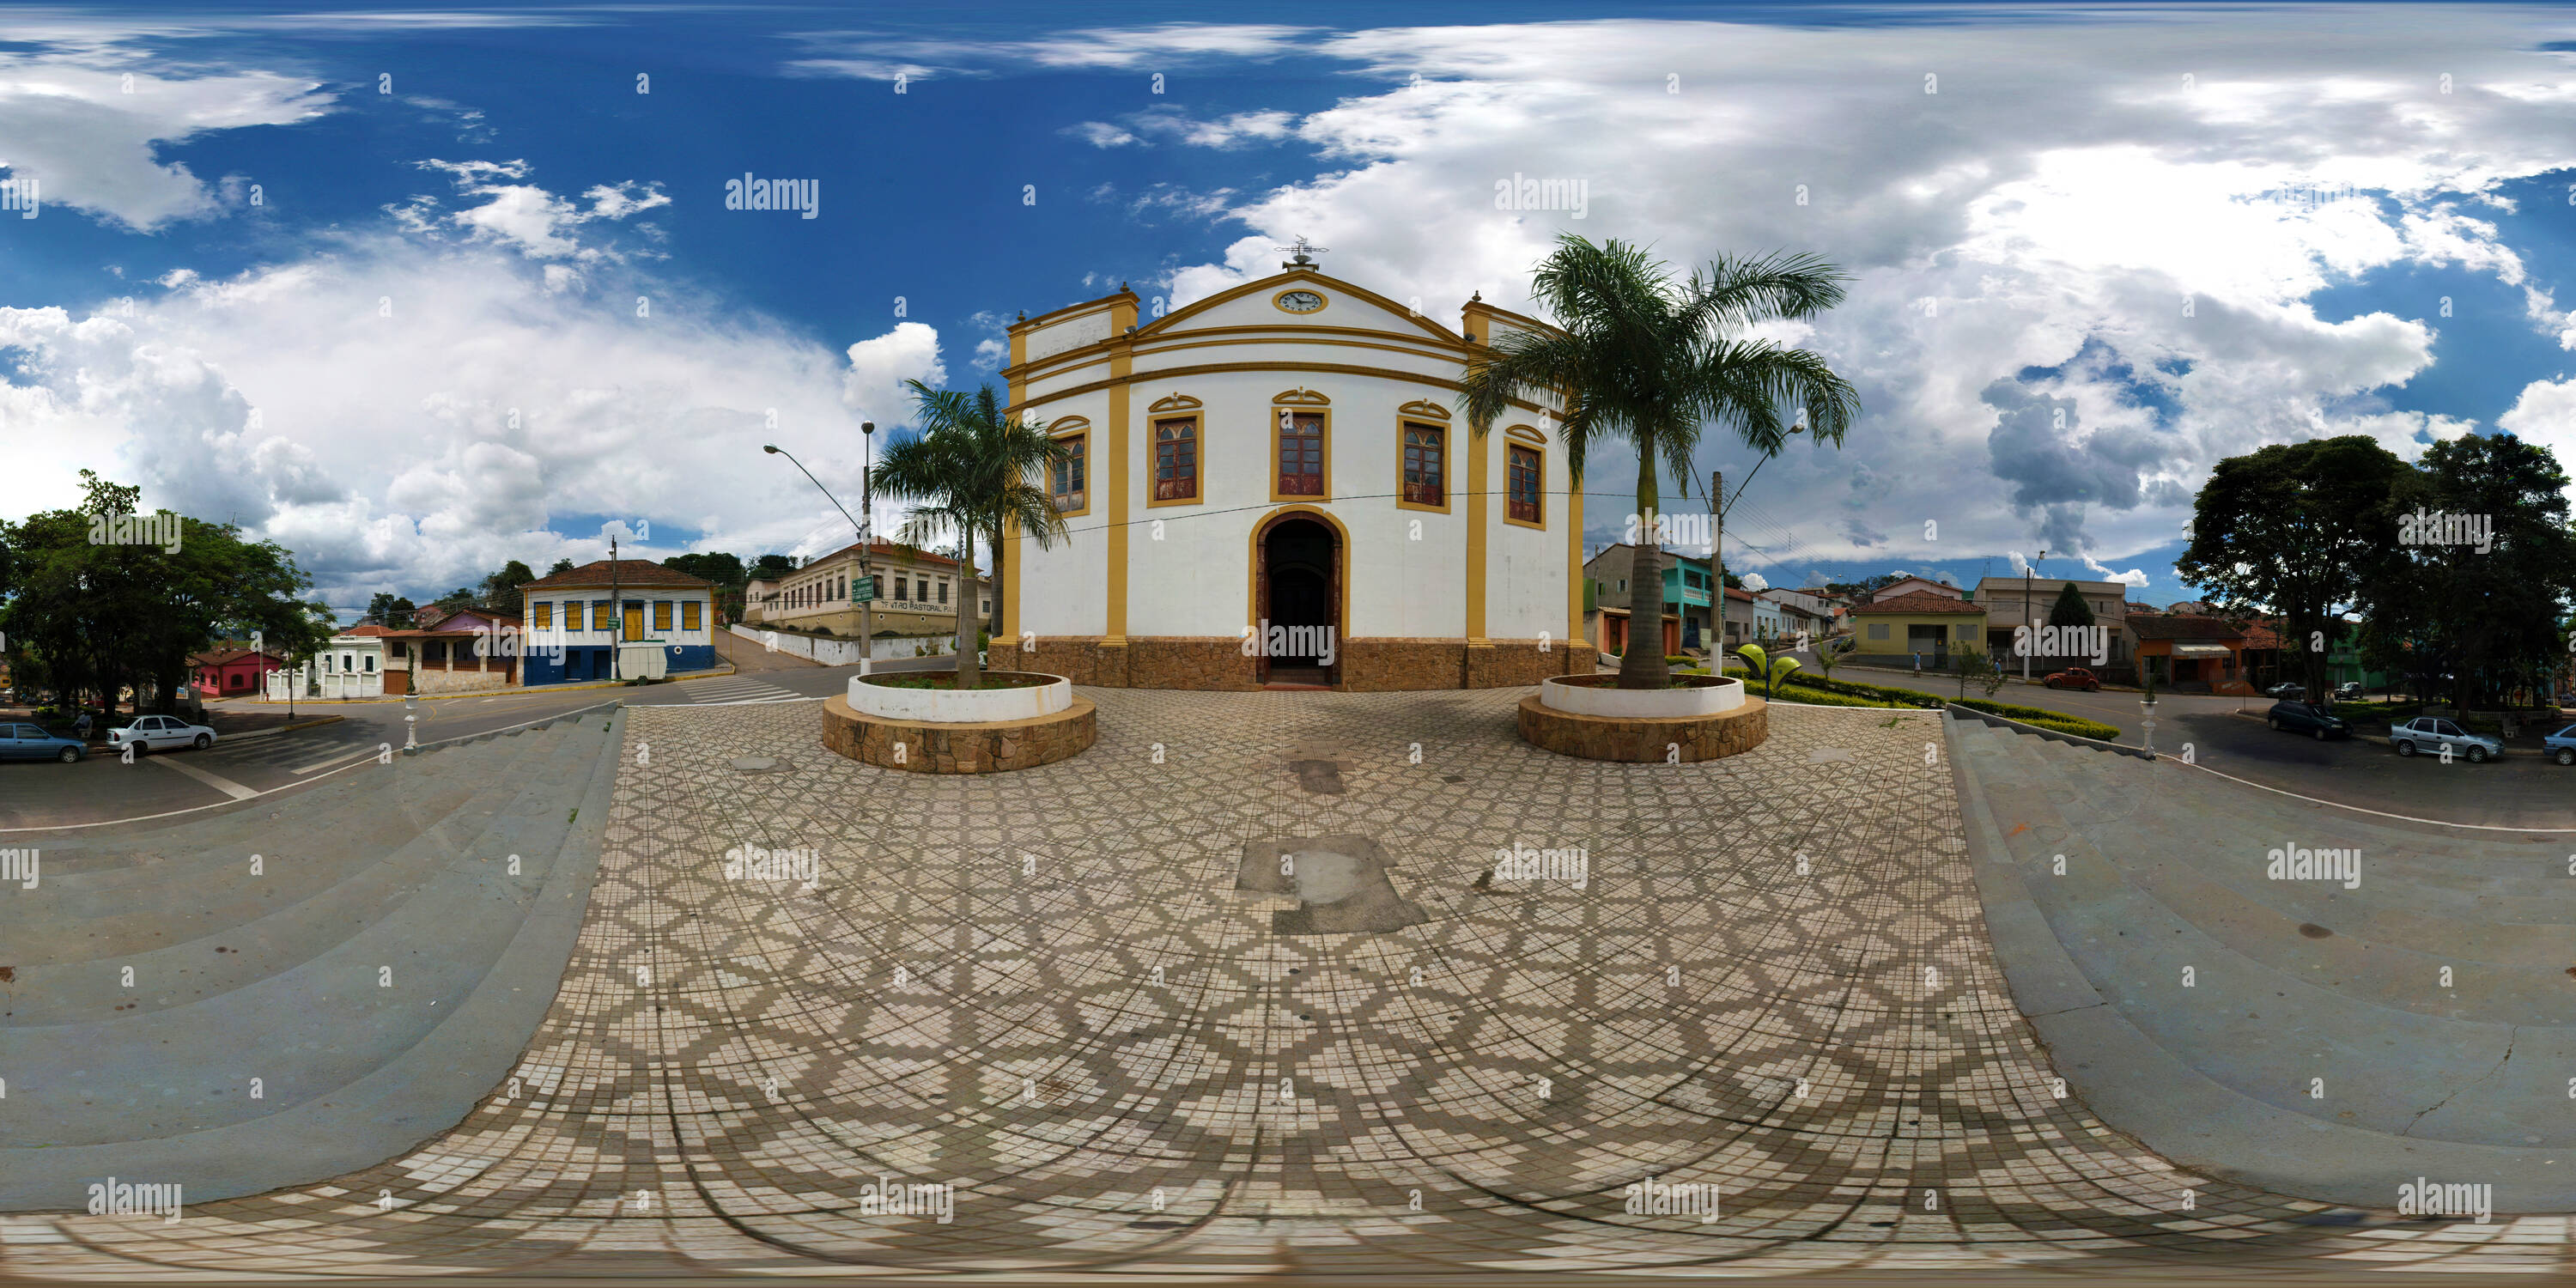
x=400 y=331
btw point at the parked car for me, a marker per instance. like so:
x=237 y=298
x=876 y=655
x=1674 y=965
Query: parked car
x=2300 y=717
x=2074 y=677
x=2432 y=733
x=2348 y=691
x=2561 y=746
x=157 y=733
x=2287 y=692
x=31 y=742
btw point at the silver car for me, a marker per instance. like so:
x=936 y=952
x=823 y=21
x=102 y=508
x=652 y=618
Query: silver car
x=2433 y=734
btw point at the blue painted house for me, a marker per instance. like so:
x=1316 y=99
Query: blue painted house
x=583 y=617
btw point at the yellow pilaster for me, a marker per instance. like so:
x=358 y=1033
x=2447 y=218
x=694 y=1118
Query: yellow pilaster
x=1009 y=559
x=1573 y=552
x=1122 y=365
x=1480 y=448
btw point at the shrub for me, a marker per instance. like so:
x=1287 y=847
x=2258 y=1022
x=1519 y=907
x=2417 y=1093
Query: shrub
x=2056 y=720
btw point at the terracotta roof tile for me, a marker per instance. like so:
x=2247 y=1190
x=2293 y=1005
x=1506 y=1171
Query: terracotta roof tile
x=638 y=573
x=1920 y=604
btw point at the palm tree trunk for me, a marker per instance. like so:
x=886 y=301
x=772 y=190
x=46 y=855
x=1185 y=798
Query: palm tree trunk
x=967 y=671
x=995 y=627
x=1642 y=666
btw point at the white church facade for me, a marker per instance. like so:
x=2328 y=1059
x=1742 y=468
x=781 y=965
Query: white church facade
x=1274 y=485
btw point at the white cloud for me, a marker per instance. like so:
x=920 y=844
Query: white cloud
x=1755 y=582
x=86 y=127
x=418 y=451
x=2544 y=414
x=527 y=218
x=2058 y=202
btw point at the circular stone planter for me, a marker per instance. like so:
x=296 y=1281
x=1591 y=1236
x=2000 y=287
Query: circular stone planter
x=1710 y=719
x=944 y=731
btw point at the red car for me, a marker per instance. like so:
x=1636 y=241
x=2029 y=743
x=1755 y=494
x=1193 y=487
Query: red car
x=2074 y=678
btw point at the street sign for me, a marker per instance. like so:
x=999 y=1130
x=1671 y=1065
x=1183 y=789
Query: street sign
x=863 y=591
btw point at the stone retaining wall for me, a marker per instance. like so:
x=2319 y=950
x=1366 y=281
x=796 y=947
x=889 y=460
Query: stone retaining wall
x=1367 y=665
x=1645 y=741
x=986 y=747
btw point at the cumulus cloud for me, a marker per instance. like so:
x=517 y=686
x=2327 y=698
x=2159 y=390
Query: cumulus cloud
x=86 y=127
x=2152 y=242
x=527 y=218
x=417 y=451
x=1755 y=582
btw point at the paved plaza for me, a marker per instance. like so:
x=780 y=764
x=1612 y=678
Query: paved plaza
x=1071 y=994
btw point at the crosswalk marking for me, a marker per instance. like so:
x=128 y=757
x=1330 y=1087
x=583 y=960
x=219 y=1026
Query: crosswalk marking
x=217 y=781
x=737 y=691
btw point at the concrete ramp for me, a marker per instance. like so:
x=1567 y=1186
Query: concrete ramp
x=2296 y=996
x=175 y=1012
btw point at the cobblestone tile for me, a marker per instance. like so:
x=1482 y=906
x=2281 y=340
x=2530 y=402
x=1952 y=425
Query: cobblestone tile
x=1046 y=988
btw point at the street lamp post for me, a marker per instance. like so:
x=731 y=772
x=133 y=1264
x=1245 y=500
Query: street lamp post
x=867 y=620
x=2028 y=617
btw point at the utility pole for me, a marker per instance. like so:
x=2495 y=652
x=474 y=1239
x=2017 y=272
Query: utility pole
x=867 y=546
x=2029 y=615
x=617 y=609
x=1717 y=564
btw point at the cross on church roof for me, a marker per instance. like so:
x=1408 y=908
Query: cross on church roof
x=1302 y=248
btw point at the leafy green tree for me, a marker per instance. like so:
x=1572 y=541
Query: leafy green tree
x=2437 y=604
x=970 y=472
x=2070 y=608
x=380 y=608
x=770 y=567
x=1644 y=358
x=561 y=566
x=101 y=617
x=404 y=615
x=500 y=588
x=2293 y=529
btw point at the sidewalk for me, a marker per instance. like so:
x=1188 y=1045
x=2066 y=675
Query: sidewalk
x=511 y=691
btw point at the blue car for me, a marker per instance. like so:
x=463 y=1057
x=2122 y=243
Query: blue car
x=29 y=742
x=2561 y=746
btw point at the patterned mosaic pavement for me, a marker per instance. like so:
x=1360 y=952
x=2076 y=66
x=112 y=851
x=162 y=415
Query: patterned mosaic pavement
x=1047 y=990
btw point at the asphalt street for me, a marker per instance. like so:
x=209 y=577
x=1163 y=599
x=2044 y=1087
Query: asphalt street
x=101 y=788
x=2517 y=791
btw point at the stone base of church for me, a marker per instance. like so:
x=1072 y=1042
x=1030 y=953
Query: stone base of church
x=1379 y=665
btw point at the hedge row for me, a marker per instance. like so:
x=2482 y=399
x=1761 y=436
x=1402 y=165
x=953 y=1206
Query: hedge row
x=1799 y=686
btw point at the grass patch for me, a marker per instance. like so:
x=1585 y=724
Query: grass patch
x=948 y=680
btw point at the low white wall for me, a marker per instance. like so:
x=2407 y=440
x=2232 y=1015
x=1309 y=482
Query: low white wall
x=950 y=706
x=843 y=652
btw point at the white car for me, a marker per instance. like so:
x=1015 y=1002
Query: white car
x=158 y=733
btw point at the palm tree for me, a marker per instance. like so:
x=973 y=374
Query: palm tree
x=1645 y=358
x=968 y=471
